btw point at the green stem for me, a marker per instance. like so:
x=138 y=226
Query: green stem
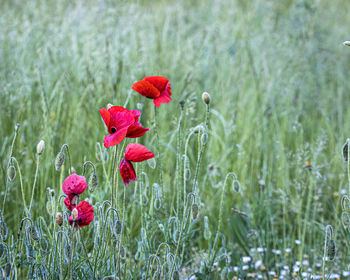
x=160 y=173
x=35 y=179
x=113 y=173
x=8 y=164
x=21 y=182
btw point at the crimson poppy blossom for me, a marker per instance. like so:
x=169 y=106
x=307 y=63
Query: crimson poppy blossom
x=121 y=123
x=85 y=214
x=133 y=153
x=155 y=87
x=72 y=186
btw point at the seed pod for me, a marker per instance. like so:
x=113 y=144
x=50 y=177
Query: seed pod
x=11 y=173
x=51 y=192
x=331 y=249
x=3 y=231
x=118 y=227
x=195 y=211
x=59 y=160
x=40 y=147
x=206 y=98
x=33 y=233
x=93 y=182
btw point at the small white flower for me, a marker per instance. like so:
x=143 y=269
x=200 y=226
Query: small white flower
x=298 y=242
x=235 y=268
x=245 y=267
x=346 y=273
x=288 y=250
x=306 y=262
x=258 y=264
x=246 y=259
x=272 y=273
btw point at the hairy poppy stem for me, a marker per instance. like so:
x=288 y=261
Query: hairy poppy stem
x=120 y=155
x=35 y=179
x=21 y=183
x=203 y=144
x=8 y=164
x=113 y=173
x=160 y=173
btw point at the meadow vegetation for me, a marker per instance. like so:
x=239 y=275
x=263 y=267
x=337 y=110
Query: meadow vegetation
x=253 y=184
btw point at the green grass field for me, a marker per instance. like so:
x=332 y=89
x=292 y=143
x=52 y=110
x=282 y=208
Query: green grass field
x=266 y=176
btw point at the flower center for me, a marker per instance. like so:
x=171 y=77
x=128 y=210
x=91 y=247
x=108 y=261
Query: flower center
x=113 y=129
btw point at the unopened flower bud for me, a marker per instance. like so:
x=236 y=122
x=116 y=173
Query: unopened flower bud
x=74 y=214
x=40 y=147
x=11 y=173
x=346 y=43
x=182 y=104
x=59 y=218
x=72 y=170
x=109 y=105
x=206 y=98
x=59 y=160
x=51 y=192
x=195 y=211
x=93 y=182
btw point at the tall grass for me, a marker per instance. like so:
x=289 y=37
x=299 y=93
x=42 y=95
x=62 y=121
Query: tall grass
x=277 y=74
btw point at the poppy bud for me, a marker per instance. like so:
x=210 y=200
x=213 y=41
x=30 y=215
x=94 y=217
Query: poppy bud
x=195 y=211
x=93 y=182
x=331 y=249
x=206 y=98
x=109 y=105
x=182 y=104
x=59 y=218
x=74 y=214
x=34 y=234
x=345 y=150
x=11 y=173
x=118 y=227
x=59 y=160
x=40 y=147
x=346 y=43
x=51 y=192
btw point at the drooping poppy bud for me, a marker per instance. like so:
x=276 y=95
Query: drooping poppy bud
x=59 y=218
x=40 y=147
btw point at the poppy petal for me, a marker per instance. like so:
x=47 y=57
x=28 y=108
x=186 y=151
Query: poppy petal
x=74 y=184
x=160 y=82
x=146 y=89
x=115 y=138
x=85 y=214
x=105 y=116
x=136 y=114
x=120 y=118
x=137 y=152
x=136 y=130
x=70 y=201
x=127 y=171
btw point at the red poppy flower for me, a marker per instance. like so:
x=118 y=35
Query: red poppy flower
x=71 y=201
x=85 y=214
x=121 y=123
x=133 y=153
x=155 y=87
x=74 y=184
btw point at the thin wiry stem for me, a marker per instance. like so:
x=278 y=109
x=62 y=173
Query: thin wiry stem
x=35 y=179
